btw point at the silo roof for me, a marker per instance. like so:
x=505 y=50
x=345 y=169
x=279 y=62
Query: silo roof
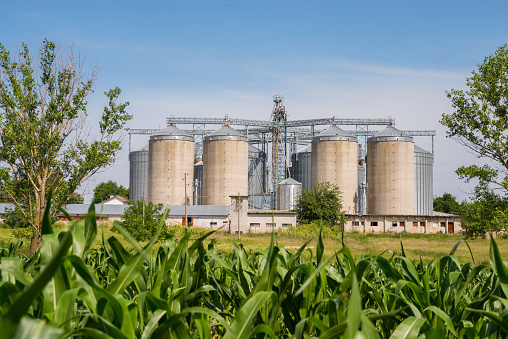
x=306 y=149
x=226 y=133
x=390 y=134
x=421 y=150
x=143 y=148
x=171 y=132
x=290 y=181
x=334 y=133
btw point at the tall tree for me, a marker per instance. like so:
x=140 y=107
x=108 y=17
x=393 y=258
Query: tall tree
x=322 y=202
x=43 y=133
x=105 y=190
x=480 y=121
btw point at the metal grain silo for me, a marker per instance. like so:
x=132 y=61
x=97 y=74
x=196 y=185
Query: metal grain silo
x=390 y=173
x=301 y=166
x=334 y=159
x=362 y=180
x=171 y=161
x=198 y=183
x=138 y=173
x=288 y=193
x=424 y=195
x=225 y=166
x=257 y=164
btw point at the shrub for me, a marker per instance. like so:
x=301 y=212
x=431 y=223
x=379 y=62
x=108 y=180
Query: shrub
x=133 y=219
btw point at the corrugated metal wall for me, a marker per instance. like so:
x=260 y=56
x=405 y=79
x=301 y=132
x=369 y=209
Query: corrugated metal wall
x=301 y=168
x=424 y=194
x=138 y=173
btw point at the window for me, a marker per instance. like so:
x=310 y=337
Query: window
x=402 y=223
x=415 y=223
x=225 y=222
x=422 y=224
x=287 y=225
x=213 y=223
x=394 y=224
x=254 y=224
x=356 y=223
x=269 y=224
x=373 y=223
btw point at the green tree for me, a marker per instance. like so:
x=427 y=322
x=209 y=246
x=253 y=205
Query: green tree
x=76 y=198
x=322 y=202
x=480 y=121
x=133 y=219
x=105 y=190
x=487 y=212
x=43 y=133
x=447 y=204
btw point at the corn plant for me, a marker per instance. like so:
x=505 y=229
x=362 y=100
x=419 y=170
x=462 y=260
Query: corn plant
x=69 y=290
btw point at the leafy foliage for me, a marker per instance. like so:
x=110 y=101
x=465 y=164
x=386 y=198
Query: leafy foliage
x=43 y=109
x=447 y=204
x=322 y=202
x=133 y=219
x=486 y=213
x=105 y=190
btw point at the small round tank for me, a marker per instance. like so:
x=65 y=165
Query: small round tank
x=138 y=173
x=171 y=159
x=424 y=195
x=288 y=193
x=225 y=166
x=334 y=159
x=301 y=166
x=390 y=173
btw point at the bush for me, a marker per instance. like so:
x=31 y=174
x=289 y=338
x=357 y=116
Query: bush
x=133 y=219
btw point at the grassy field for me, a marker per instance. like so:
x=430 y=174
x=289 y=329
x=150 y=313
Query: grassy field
x=416 y=246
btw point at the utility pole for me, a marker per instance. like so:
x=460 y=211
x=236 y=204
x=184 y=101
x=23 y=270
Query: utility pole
x=185 y=179
x=238 y=206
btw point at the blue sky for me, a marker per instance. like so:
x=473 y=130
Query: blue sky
x=361 y=59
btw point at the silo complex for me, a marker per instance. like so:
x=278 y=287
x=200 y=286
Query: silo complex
x=171 y=158
x=391 y=173
x=334 y=159
x=225 y=166
x=138 y=175
x=301 y=166
x=424 y=195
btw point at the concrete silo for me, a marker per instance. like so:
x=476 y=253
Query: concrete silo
x=334 y=159
x=171 y=160
x=424 y=194
x=288 y=193
x=138 y=173
x=301 y=166
x=225 y=166
x=390 y=173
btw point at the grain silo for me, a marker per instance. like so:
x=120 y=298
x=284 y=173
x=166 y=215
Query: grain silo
x=362 y=185
x=225 y=166
x=171 y=164
x=288 y=193
x=301 y=166
x=198 y=183
x=390 y=173
x=334 y=159
x=424 y=195
x=257 y=166
x=138 y=174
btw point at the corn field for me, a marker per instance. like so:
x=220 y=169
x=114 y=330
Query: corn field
x=184 y=290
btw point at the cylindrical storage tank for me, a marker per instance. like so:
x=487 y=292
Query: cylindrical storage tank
x=390 y=173
x=138 y=173
x=225 y=166
x=257 y=161
x=302 y=166
x=288 y=193
x=334 y=159
x=198 y=183
x=424 y=194
x=362 y=199
x=171 y=163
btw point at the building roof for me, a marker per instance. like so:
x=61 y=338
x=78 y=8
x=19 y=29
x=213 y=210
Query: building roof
x=174 y=210
x=5 y=206
x=421 y=150
x=116 y=200
x=143 y=148
x=306 y=149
